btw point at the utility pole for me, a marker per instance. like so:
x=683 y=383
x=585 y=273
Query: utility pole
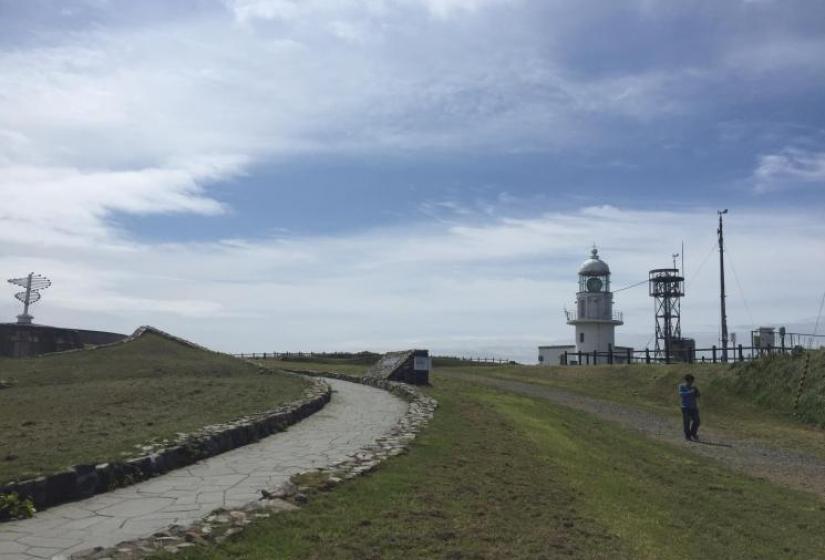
x=722 y=286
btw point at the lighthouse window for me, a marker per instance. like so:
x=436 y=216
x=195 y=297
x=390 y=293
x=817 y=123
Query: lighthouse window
x=581 y=337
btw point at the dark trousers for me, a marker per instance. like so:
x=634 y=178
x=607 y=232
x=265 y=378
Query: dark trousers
x=690 y=419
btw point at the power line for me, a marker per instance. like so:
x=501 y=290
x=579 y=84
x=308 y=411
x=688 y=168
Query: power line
x=702 y=264
x=819 y=315
x=739 y=285
x=631 y=286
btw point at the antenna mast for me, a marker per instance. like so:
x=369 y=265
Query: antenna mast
x=722 y=286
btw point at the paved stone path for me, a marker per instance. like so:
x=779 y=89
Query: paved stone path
x=785 y=466
x=354 y=418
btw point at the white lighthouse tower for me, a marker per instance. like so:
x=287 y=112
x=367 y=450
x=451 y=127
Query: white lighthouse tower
x=594 y=318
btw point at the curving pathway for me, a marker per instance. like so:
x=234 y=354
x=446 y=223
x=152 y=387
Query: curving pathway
x=353 y=419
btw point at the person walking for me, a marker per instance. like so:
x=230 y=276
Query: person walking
x=689 y=394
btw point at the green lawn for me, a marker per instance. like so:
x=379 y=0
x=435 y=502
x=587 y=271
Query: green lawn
x=91 y=406
x=496 y=475
x=347 y=368
x=748 y=400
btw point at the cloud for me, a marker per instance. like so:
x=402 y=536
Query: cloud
x=246 y=11
x=314 y=76
x=68 y=206
x=792 y=167
x=498 y=285
x=114 y=119
x=144 y=115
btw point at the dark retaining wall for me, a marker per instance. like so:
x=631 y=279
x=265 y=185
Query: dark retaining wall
x=83 y=481
x=22 y=341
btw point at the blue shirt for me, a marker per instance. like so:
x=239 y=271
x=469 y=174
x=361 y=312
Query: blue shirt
x=688 y=394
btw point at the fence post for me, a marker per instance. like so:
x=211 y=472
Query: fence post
x=580 y=357
x=629 y=356
x=610 y=354
x=802 y=382
x=595 y=357
x=714 y=353
x=741 y=356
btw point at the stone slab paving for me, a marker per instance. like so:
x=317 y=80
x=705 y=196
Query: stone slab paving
x=354 y=418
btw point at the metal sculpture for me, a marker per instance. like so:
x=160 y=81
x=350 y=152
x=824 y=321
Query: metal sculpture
x=32 y=284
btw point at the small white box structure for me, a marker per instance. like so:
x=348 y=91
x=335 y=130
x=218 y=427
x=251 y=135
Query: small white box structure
x=551 y=355
x=767 y=337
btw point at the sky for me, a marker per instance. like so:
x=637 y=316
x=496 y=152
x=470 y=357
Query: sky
x=319 y=175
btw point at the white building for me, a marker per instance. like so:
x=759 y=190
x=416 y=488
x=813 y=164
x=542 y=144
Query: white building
x=594 y=320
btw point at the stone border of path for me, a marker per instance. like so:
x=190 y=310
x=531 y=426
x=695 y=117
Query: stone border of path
x=83 y=481
x=222 y=524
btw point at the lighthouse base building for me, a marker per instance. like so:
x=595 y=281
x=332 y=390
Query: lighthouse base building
x=594 y=321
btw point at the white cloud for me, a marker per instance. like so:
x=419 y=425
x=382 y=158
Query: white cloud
x=59 y=206
x=498 y=286
x=141 y=120
x=789 y=168
x=247 y=11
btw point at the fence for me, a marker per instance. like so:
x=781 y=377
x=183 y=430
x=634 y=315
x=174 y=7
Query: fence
x=306 y=356
x=713 y=355
x=474 y=360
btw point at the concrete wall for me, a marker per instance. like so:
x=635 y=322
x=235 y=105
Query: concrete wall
x=21 y=341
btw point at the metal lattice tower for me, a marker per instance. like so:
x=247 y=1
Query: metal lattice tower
x=32 y=284
x=667 y=287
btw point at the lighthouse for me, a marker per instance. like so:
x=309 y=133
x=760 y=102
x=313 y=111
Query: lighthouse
x=594 y=319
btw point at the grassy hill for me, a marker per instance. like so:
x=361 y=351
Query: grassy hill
x=773 y=383
x=93 y=406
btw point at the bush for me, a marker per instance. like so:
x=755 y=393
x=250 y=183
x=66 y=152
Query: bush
x=12 y=506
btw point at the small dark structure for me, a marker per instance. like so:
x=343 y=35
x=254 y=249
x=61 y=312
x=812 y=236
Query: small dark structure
x=407 y=366
x=21 y=340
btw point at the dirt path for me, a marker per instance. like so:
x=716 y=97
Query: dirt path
x=784 y=466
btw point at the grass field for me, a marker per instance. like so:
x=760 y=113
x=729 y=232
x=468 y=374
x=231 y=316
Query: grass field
x=753 y=400
x=345 y=367
x=497 y=475
x=87 y=407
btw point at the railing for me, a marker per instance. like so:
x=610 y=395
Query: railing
x=360 y=357
x=306 y=356
x=444 y=360
x=574 y=316
x=713 y=355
